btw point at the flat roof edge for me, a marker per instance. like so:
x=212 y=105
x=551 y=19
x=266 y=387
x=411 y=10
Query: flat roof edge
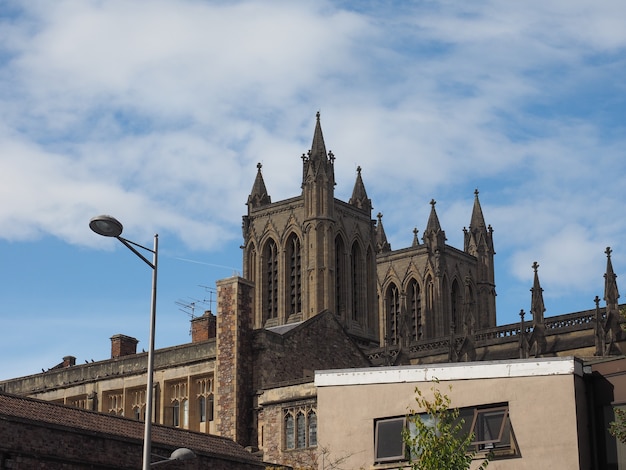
x=444 y=372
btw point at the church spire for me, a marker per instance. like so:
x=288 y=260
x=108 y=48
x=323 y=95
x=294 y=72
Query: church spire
x=318 y=148
x=318 y=165
x=416 y=240
x=479 y=236
x=382 y=245
x=434 y=237
x=433 y=224
x=537 y=307
x=258 y=196
x=537 y=341
x=611 y=294
x=359 y=195
x=478 y=221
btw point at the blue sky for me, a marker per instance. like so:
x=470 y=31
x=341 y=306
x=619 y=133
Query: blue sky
x=158 y=111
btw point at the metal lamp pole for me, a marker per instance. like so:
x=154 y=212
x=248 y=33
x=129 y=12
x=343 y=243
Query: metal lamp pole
x=108 y=226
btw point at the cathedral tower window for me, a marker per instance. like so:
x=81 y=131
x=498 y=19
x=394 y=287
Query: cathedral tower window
x=357 y=282
x=340 y=277
x=393 y=314
x=456 y=304
x=430 y=308
x=294 y=257
x=270 y=301
x=414 y=303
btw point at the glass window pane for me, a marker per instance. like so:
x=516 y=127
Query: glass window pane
x=202 y=403
x=176 y=413
x=300 y=423
x=489 y=426
x=289 y=432
x=312 y=429
x=388 y=440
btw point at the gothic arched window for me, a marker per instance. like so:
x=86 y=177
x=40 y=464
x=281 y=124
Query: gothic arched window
x=294 y=258
x=340 y=276
x=456 y=305
x=300 y=431
x=202 y=408
x=290 y=442
x=393 y=314
x=357 y=282
x=312 y=418
x=414 y=304
x=176 y=413
x=270 y=300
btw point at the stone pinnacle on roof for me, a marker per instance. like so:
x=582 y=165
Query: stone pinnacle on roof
x=318 y=165
x=416 y=240
x=434 y=237
x=318 y=148
x=258 y=196
x=433 y=221
x=477 y=221
x=537 y=307
x=359 y=195
x=611 y=293
x=382 y=245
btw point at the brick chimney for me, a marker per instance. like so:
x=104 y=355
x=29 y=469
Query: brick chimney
x=122 y=345
x=69 y=361
x=203 y=328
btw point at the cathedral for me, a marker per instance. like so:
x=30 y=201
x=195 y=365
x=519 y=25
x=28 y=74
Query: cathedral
x=322 y=289
x=314 y=253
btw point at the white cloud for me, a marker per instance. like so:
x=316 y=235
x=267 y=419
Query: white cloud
x=158 y=112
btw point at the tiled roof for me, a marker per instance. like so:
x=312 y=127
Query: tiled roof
x=18 y=407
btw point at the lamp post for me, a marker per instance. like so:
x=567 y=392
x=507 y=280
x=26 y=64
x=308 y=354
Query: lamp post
x=108 y=226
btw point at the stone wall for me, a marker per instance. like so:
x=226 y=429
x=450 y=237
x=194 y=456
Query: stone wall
x=318 y=344
x=233 y=365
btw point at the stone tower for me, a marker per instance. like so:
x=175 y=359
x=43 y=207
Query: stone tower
x=433 y=290
x=312 y=253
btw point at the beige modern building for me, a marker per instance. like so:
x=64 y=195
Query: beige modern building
x=530 y=413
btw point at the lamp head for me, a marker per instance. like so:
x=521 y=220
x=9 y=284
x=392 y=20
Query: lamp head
x=183 y=454
x=106 y=226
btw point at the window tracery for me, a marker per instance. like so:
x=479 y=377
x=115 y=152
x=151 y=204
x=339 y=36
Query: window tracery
x=300 y=427
x=205 y=398
x=179 y=398
x=271 y=280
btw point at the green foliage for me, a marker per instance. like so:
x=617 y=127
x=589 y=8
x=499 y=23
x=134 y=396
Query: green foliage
x=617 y=428
x=437 y=441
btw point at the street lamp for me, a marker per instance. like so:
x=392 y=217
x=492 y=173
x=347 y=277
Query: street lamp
x=179 y=454
x=108 y=226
